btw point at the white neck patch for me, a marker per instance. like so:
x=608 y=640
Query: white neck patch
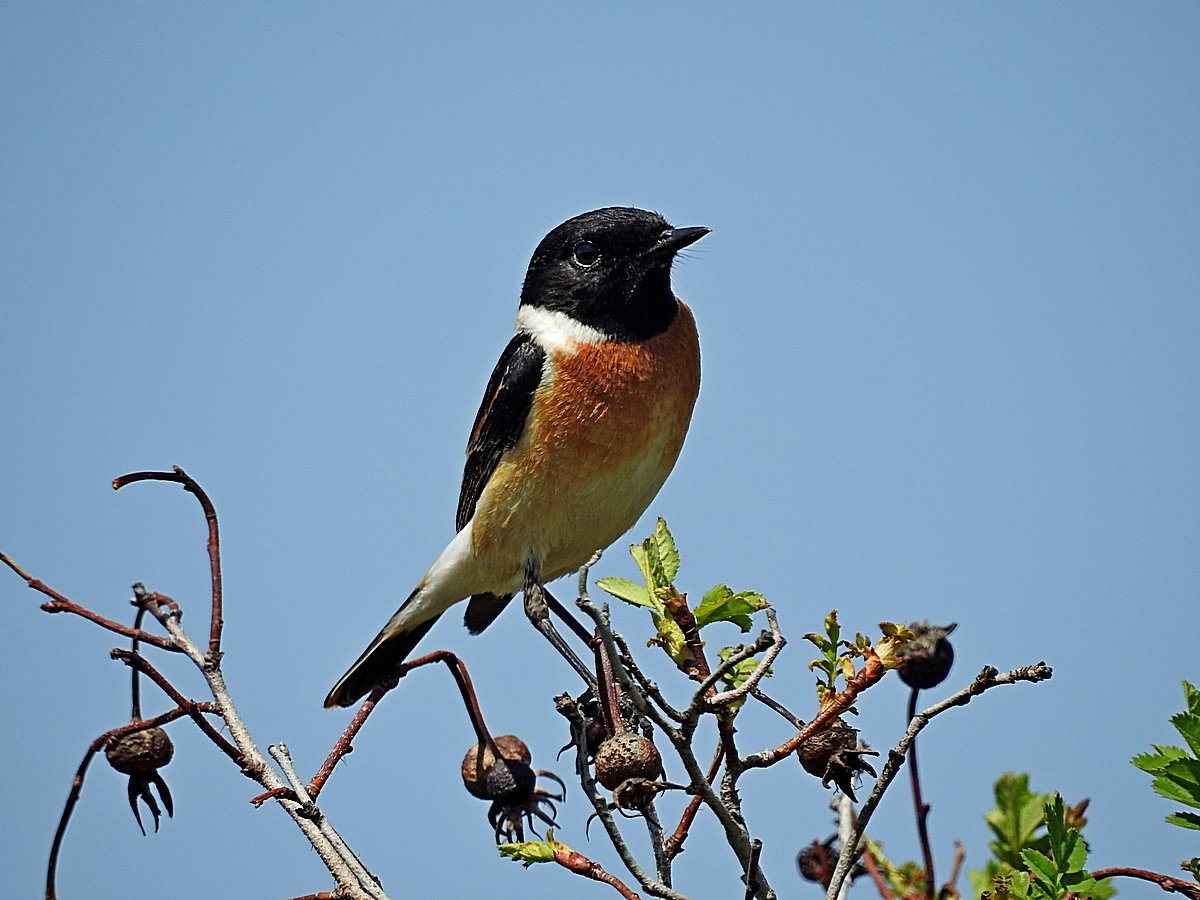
x=554 y=329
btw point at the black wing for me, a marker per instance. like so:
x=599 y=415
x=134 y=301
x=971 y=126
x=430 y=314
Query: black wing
x=501 y=418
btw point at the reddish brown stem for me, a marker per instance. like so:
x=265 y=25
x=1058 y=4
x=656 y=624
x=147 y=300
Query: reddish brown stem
x=581 y=865
x=868 y=861
x=677 y=608
x=920 y=807
x=949 y=890
x=673 y=845
x=343 y=746
x=1166 y=882
x=58 y=603
x=459 y=671
x=699 y=668
x=142 y=665
x=77 y=782
x=213 y=543
x=871 y=672
x=284 y=792
x=611 y=712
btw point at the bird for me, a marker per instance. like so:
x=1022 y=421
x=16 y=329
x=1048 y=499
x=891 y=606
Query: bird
x=582 y=420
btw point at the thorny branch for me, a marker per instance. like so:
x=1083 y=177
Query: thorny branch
x=342 y=864
x=986 y=679
x=615 y=664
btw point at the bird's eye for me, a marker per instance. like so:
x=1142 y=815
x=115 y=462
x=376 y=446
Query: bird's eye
x=586 y=254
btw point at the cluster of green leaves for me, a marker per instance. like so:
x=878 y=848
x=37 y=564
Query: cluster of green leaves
x=657 y=559
x=1176 y=770
x=1037 y=851
x=837 y=655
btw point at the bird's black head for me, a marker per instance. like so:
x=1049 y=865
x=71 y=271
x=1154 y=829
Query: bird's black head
x=609 y=269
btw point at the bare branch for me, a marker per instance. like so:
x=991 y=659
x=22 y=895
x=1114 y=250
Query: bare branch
x=58 y=603
x=1166 y=882
x=213 y=544
x=988 y=678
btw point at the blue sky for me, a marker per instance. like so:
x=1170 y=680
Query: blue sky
x=949 y=313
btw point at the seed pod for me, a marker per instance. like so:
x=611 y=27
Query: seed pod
x=624 y=756
x=476 y=764
x=816 y=862
x=509 y=781
x=927 y=658
x=835 y=755
x=140 y=752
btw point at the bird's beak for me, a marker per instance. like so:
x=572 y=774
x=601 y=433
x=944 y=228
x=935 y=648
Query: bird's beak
x=675 y=239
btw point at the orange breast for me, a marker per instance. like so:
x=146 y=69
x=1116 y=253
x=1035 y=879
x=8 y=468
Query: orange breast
x=603 y=434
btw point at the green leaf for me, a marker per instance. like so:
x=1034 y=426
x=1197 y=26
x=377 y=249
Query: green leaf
x=1157 y=761
x=1188 y=726
x=1019 y=885
x=1179 y=780
x=641 y=557
x=1176 y=771
x=1185 y=820
x=629 y=591
x=667 y=553
x=529 y=852
x=1016 y=819
x=721 y=604
x=1055 y=814
x=1040 y=864
x=670 y=638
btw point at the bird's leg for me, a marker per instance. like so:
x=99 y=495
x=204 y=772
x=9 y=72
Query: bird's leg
x=565 y=616
x=536 y=608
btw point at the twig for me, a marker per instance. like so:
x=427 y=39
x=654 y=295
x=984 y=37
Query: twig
x=772 y=643
x=139 y=663
x=950 y=888
x=135 y=689
x=778 y=707
x=846 y=822
x=649 y=688
x=581 y=865
x=674 y=844
x=366 y=880
x=988 y=678
x=662 y=864
x=752 y=870
x=213 y=544
x=58 y=603
x=1166 y=882
x=343 y=746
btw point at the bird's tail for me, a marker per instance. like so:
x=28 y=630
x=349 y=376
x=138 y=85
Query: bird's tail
x=382 y=657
